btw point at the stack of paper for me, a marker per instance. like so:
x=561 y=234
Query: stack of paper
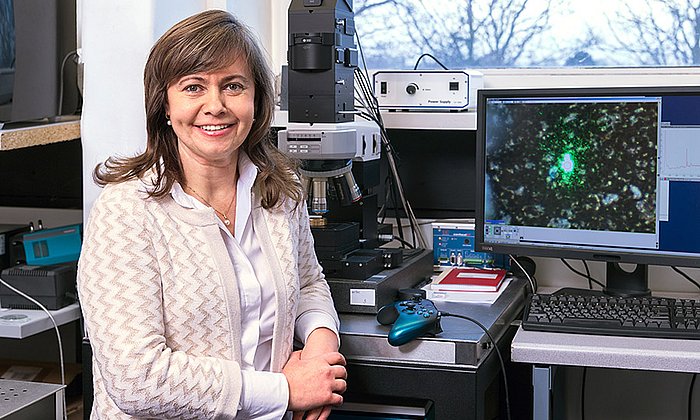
x=468 y=284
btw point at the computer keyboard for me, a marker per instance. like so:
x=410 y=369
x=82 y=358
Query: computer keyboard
x=590 y=312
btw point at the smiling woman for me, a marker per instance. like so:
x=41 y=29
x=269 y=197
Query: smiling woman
x=212 y=114
x=198 y=261
x=191 y=51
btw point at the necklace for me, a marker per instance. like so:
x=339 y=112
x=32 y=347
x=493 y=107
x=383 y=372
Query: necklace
x=227 y=222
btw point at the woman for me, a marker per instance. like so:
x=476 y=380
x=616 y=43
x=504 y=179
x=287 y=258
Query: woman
x=197 y=268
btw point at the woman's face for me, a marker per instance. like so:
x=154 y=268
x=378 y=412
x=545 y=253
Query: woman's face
x=212 y=114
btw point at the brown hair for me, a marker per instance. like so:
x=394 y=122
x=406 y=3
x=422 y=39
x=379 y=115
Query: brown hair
x=204 y=42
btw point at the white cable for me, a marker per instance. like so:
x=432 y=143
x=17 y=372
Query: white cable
x=532 y=282
x=58 y=336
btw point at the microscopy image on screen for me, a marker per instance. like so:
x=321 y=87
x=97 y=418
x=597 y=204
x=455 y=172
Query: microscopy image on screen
x=7 y=35
x=573 y=165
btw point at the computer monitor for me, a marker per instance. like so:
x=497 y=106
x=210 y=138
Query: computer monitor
x=36 y=39
x=601 y=174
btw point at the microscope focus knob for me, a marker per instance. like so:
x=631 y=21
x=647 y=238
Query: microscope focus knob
x=412 y=88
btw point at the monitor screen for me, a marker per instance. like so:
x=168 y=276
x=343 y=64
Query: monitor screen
x=603 y=174
x=7 y=50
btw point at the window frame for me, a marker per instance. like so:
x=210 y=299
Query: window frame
x=506 y=78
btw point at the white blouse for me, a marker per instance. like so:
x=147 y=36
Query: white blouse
x=265 y=394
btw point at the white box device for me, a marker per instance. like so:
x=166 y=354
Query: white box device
x=427 y=90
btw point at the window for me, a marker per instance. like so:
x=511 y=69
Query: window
x=529 y=33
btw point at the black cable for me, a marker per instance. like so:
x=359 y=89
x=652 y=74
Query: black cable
x=498 y=353
x=395 y=201
x=403 y=242
x=588 y=274
x=431 y=56
x=566 y=263
x=392 y=187
x=362 y=54
x=409 y=253
x=371 y=103
x=393 y=195
x=349 y=7
x=367 y=93
x=687 y=277
x=383 y=209
x=690 y=396
x=396 y=183
x=373 y=112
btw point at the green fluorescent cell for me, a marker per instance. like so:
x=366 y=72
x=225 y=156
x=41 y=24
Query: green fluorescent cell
x=567 y=163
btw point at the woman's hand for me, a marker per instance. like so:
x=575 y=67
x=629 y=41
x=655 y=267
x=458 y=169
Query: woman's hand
x=315 y=382
x=320 y=342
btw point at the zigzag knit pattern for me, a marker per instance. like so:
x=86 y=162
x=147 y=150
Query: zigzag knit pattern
x=161 y=304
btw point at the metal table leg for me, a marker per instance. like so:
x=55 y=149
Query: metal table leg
x=542 y=392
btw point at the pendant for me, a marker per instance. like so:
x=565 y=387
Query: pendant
x=226 y=221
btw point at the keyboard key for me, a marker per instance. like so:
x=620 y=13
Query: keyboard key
x=592 y=321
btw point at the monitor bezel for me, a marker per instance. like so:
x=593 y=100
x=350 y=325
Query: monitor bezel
x=554 y=251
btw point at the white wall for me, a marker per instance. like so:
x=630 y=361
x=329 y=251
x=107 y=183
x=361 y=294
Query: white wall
x=115 y=39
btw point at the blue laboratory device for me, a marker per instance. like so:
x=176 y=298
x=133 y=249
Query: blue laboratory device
x=453 y=246
x=53 y=246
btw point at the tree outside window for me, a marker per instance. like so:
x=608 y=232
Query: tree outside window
x=529 y=33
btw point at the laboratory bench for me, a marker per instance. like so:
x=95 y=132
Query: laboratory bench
x=454 y=375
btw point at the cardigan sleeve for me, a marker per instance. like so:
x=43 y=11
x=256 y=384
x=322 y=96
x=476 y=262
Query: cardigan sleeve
x=119 y=284
x=315 y=293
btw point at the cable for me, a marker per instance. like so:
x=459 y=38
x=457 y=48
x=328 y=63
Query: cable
x=498 y=353
x=382 y=209
x=60 y=91
x=411 y=252
x=590 y=278
x=371 y=105
x=588 y=274
x=58 y=336
x=396 y=238
x=395 y=201
x=533 y=284
x=362 y=54
x=368 y=101
x=431 y=56
x=690 y=279
x=690 y=396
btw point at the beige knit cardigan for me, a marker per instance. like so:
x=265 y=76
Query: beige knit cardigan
x=161 y=305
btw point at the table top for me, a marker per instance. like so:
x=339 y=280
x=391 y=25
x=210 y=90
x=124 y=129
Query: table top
x=39 y=134
x=548 y=348
x=22 y=323
x=460 y=343
x=617 y=352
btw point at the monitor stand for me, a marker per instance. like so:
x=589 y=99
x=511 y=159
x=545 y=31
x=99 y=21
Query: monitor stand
x=619 y=282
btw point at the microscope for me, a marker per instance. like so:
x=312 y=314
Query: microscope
x=339 y=155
